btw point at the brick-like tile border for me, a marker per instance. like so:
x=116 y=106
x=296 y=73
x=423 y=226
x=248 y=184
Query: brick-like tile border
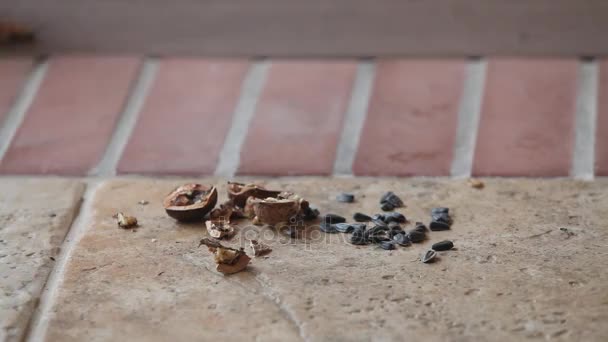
x=502 y=117
x=68 y=125
x=411 y=123
x=184 y=122
x=298 y=119
x=527 y=118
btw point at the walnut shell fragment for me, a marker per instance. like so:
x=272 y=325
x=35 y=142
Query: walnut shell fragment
x=219 y=229
x=125 y=221
x=190 y=202
x=239 y=193
x=272 y=211
x=258 y=248
x=228 y=260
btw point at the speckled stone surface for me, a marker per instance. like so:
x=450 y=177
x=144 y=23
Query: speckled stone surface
x=515 y=273
x=35 y=216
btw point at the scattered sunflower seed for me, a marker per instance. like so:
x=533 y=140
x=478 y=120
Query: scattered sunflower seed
x=328 y=228
x=358 y=226
x=360 y=217
x=125 y=221
x=358 y=238
x=395 y=217
x=443 y=245
x=421 y=227
x=438 y=226
x=416 y=236
x=310 y=213
x=390 y=197
x=345 y=198
x=386 y=206
x=395 y=231
x=428 y=256
x=388 y=245
x=393 y=225
x=343 y=227
x=143 y=202
x=333 y=218
x=402 y=239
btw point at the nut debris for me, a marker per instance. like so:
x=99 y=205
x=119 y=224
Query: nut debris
x=228 y=260
x=219 y=229
x=476 y=183
x=125 y=221
x=258 y=248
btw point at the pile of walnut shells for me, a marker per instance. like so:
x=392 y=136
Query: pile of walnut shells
x=197 y=202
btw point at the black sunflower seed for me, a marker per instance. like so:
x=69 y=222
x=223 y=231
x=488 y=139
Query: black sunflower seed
x=386 y=206
x=358 y=226
x=333 y=218
x=378 y=238
x=310 y=213
x=379 y=217
x=327 y=228
x=416 y=236
x=395 y=231
x=443 y=245
x=445 y=218
x=428 y=256
x=345 y=197
x=395 y=217
x=440 y=210
x=344 y=227
x=380 y=223
x=358 y=239
x=390 y=197
x=360 y=217
x=421 y=227
x=393 y=224
x=388 y=245
x=402 y=239
x=437 y=226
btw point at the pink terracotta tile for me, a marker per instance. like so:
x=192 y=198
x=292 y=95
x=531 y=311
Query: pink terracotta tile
x=298 y=119
x=527 y=118
x=601 y=142
x=186 y=117
x=72 y=118
x=412 y=118
x=13 y=73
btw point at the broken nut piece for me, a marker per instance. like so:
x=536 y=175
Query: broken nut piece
x=228 y=260
x=125 y=221
x=239 y=192
x=259 y=249
x=476 y=183
x=219 y=229
x=190 y=202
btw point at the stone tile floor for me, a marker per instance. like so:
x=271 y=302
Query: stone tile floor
x=514 y=275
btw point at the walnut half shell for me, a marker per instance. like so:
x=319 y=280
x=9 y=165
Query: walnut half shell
x=190 y=202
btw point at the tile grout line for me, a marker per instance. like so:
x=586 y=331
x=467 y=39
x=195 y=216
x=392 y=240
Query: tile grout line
x=251 y=90
x=39 y=321
x=354 y=119
x=469 y=113
x=583 y=156
x=19 y=109
x=128 y=119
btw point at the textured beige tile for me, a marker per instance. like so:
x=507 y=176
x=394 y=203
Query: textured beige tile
x=514 y=274
x=35 y=215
